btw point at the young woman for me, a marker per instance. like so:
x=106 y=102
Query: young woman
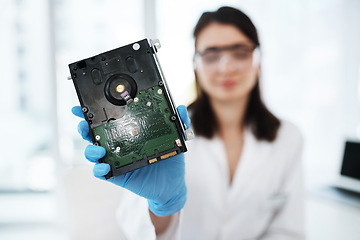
x=242 y=171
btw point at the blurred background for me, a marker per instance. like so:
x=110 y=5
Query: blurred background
x=310 y=76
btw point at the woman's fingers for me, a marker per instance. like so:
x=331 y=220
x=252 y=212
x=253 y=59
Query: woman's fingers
x=93 y=153
x=83 y=129
x=77 y=111
x=184 y=115
x=101 y=169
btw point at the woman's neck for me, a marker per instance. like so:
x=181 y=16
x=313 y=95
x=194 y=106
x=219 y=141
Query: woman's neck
x=230 y=116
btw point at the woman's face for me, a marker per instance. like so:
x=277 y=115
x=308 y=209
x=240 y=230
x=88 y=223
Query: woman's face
x=226 y=63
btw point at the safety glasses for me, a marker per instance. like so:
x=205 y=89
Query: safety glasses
x=237 y=57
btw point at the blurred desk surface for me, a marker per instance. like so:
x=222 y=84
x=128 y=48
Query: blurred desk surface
x=326 y=218
x=330 y=217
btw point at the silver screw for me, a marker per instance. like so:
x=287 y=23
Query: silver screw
x=136 y=46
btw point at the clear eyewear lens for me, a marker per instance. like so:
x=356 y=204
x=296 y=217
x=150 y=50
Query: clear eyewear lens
x=256 y=57
x=230 y=60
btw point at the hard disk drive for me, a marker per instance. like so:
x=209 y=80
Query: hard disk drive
x=128 y=106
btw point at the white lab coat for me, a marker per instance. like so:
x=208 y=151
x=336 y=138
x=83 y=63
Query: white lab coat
x=264 y=201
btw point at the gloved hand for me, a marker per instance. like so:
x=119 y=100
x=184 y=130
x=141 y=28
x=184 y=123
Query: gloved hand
x=162 y=183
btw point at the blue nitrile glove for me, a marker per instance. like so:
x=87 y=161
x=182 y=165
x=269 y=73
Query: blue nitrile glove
x=162 y=183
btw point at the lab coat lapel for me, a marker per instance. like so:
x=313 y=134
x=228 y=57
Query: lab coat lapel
x=252 y=160
x=218 y=170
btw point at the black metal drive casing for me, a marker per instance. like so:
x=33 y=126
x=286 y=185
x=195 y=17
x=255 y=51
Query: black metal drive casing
x=134 y=65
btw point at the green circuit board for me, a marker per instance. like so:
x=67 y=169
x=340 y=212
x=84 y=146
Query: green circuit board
x=144 y=131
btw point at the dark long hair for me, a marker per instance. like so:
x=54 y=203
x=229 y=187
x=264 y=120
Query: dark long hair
x=262 y=122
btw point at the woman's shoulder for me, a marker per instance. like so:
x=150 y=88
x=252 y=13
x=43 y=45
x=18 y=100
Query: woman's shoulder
x=289 y=128
x=289 y=134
